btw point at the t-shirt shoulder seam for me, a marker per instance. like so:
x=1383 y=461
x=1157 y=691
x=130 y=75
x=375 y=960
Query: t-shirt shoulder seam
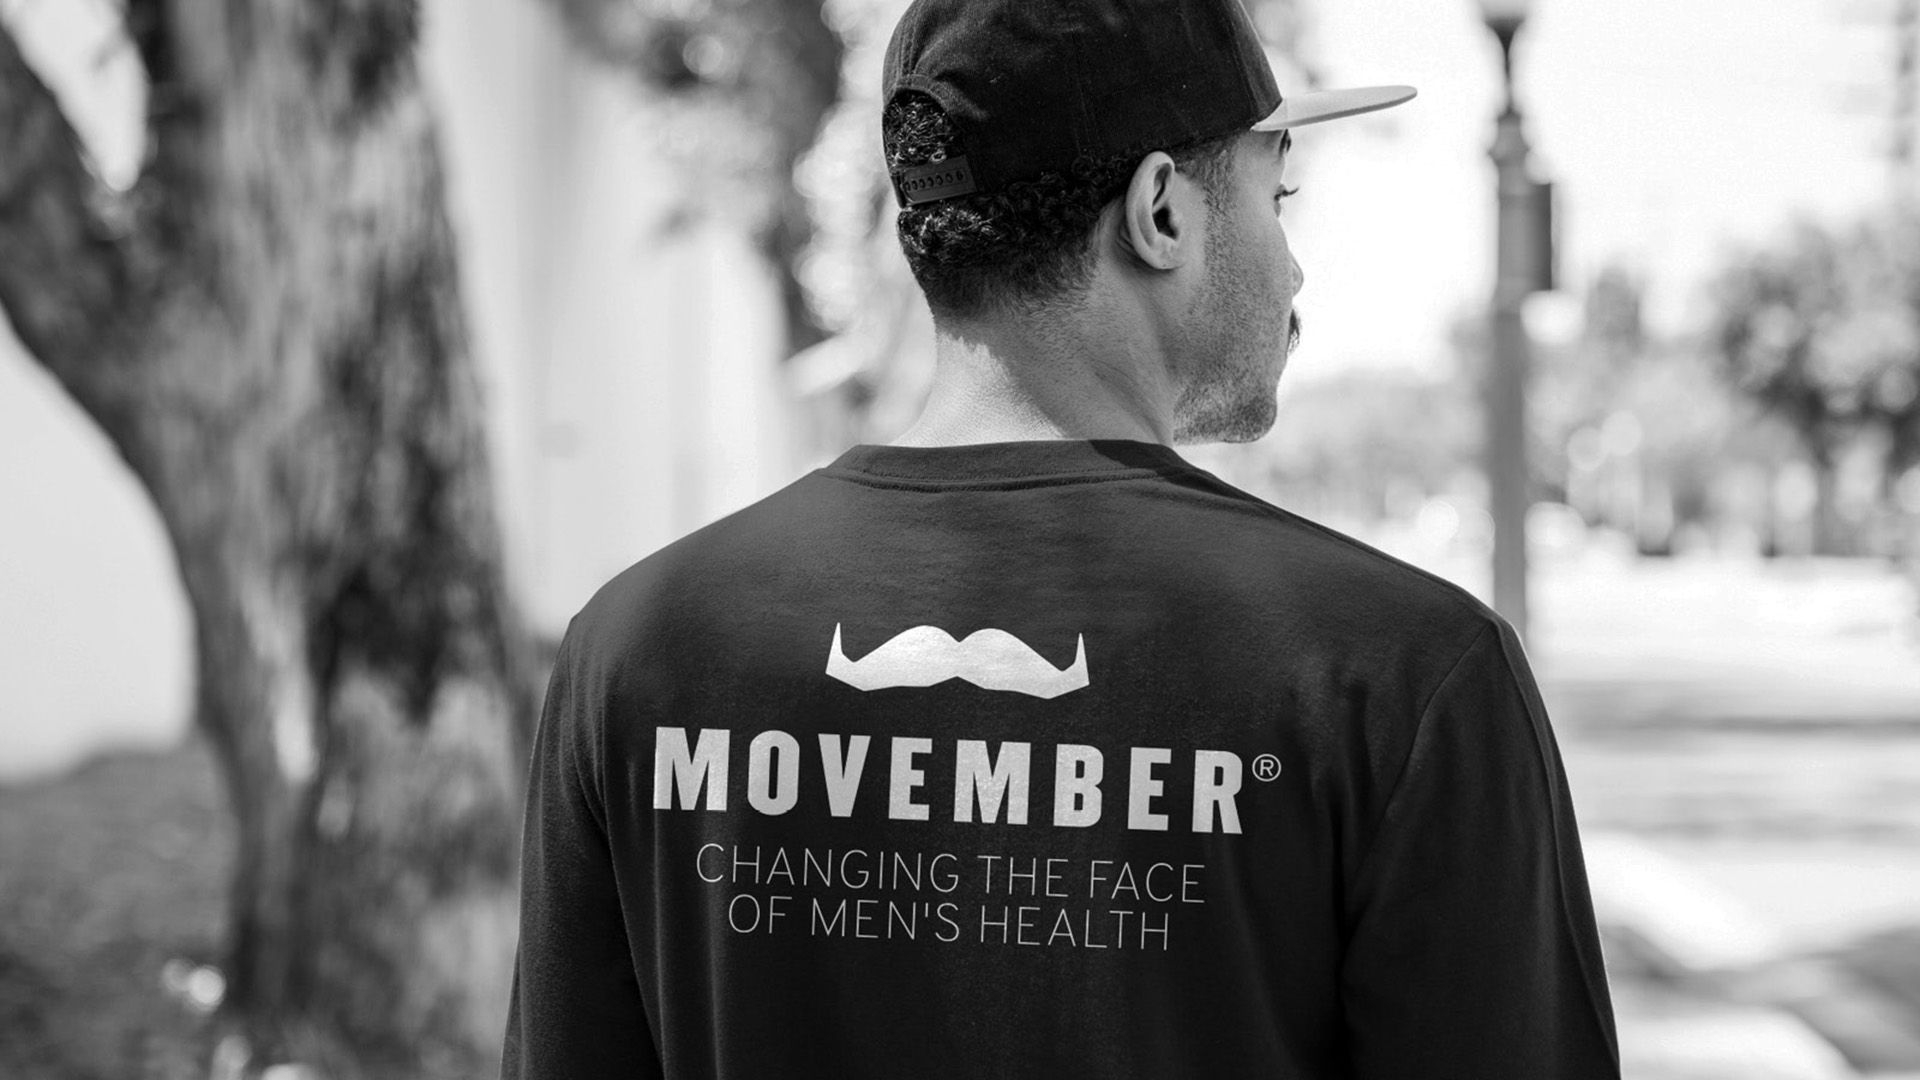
x=589 y=728
x=1419 y=724
x=1588 y=976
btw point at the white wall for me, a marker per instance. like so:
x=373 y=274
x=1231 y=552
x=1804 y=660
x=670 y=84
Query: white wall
x=634 y=366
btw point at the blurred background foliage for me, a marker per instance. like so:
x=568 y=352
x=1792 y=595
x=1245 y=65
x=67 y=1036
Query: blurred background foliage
x=1822 y=334
x=1786 y=423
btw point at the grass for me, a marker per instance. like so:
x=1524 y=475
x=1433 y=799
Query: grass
x=107 y=873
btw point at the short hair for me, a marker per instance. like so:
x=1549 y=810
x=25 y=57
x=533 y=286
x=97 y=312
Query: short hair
x=1029 y=243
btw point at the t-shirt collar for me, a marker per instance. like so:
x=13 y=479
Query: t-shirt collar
x=1010 y=460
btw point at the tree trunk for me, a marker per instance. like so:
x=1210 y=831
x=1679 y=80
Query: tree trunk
x=268 y=328
x=1831 y=534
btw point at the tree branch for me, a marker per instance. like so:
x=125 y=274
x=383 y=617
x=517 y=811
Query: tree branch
x=65 y=269
x=147 y=29
x=611 y=31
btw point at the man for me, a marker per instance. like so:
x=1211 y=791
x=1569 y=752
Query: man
x=1022 y=747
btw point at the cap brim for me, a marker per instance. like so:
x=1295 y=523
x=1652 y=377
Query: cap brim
x=1321 y=105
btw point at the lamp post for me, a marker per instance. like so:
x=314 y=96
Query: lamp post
x=1524 y=266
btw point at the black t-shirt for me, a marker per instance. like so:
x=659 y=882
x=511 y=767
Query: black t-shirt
x=1050 y=759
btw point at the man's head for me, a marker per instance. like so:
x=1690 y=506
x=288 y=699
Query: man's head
x=1124 y=153
x=1028 y=244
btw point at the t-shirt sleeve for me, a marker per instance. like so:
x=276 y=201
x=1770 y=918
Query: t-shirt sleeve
x=1473 y=952
x=576 y=1011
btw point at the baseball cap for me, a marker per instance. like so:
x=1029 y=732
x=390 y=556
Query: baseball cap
x=1031 y=86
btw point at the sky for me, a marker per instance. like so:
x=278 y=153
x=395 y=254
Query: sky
x=1677 y=132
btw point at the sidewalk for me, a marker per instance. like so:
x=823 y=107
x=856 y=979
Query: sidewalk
x=1817 y=643
x=1743 y=743
x=1759 y=722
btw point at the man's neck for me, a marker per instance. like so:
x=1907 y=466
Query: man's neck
x=1085 y=379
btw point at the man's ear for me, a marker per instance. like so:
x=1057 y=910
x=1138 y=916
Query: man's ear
x=1155 y=226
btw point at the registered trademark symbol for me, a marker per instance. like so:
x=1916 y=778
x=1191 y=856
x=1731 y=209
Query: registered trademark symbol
x=1266 y=767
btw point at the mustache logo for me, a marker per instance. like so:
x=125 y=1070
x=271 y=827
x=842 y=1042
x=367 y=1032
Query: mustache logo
x=990 y=659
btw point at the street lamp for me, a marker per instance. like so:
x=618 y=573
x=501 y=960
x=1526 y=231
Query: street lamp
x=1504 y=18
x=1524 y=266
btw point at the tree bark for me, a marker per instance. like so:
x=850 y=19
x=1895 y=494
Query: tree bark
x=1832 y=536
x=267 y=327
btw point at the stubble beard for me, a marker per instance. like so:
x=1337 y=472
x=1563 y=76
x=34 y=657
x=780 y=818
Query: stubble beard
x=1233 y=398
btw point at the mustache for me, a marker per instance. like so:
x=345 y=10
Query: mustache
x=1293 y=331
x=991 y=659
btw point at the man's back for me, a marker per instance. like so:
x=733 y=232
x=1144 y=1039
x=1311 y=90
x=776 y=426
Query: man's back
x=1053 y=759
